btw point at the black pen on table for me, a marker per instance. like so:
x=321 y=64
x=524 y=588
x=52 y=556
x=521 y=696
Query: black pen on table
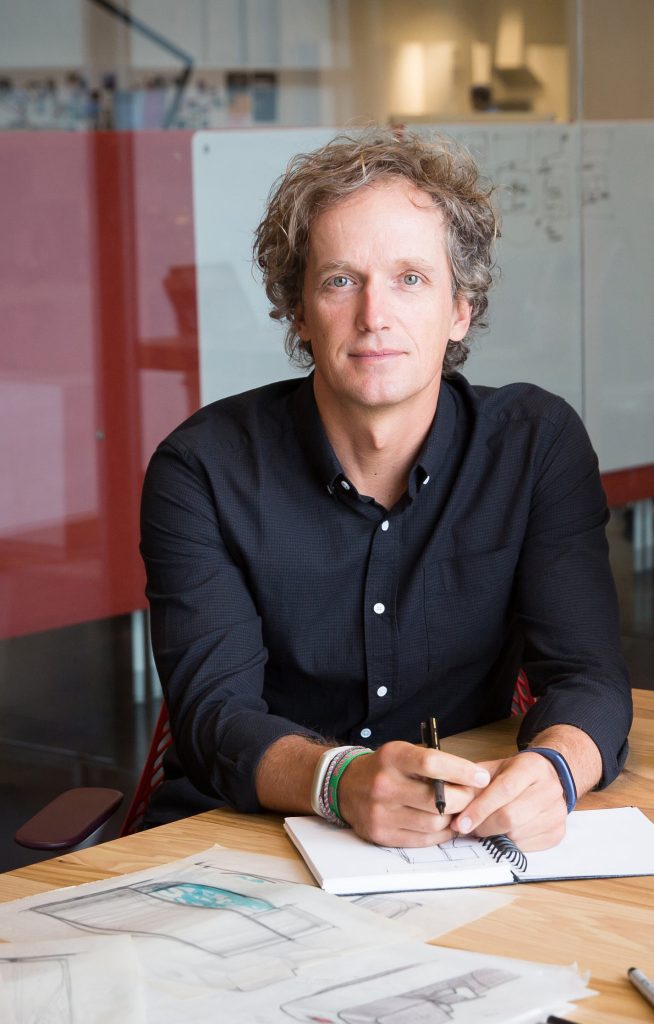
x=429 y=730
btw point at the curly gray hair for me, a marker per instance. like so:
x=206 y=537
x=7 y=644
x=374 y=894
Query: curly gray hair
x=316 y=181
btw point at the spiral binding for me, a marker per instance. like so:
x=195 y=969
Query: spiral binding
x=502 y=846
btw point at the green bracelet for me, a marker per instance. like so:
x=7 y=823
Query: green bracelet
x=336 y=778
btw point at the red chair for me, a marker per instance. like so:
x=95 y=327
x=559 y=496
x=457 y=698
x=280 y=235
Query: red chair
x=75 y=818
x=523 y=698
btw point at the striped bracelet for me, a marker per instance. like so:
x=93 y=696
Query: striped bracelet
x=332 y=761
x=337 y=774
x=321 y=776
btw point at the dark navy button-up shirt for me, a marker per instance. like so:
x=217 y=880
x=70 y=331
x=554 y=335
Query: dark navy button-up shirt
x=283 y=601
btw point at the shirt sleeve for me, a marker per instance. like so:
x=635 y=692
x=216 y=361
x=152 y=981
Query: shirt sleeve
x=206 y=634
x=567 y=601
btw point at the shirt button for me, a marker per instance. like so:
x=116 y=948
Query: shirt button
x=385 y=525
x=426 y=480
x=366 y=733
x=382 y=691
x=345 y=485
x=379 y=608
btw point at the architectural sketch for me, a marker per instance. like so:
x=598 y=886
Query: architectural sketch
x=71 y=982
x=253 y=923
x=37 y=989
x=430 y=1004
x=192 y=942
x=386 y=904
x=201 y=929
x=458 y=849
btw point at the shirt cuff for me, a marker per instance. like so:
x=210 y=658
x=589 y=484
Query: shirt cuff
x=589 y=715
x=245 y=738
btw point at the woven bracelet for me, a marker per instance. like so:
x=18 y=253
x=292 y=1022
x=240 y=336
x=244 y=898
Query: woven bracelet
x=321 y=776
x=337 y=776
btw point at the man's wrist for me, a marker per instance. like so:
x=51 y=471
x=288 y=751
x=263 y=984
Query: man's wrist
x=321 y=775
x=327 y=775
x=562 y=769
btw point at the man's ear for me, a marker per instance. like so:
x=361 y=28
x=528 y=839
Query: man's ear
x=461 y=315
x=300 y=323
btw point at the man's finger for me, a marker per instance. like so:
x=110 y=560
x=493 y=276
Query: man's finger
x=437 y=764
x=506 y=787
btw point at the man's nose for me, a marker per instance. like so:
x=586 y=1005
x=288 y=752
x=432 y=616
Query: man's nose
x=373 y=312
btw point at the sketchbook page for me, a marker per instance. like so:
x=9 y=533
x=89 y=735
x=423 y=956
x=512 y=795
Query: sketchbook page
x=347 y=865
x=618 y=841
x=90 y=979
x=422 y=915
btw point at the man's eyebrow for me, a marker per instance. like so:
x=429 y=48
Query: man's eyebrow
x=415 y=262
x=330 y=266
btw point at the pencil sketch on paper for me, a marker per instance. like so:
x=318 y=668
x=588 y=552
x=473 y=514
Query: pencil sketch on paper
x=458 y=849
x=254 y=923
x=388 y=905
x=430 y=1004
x=38 y=988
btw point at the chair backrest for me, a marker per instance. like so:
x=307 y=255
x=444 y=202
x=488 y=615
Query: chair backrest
x=151 y=775
x=523 y=698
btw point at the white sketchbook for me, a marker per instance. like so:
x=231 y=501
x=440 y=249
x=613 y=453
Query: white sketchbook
x=598 y=844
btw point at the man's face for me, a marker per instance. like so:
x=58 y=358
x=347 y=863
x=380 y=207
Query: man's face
x=377 y=301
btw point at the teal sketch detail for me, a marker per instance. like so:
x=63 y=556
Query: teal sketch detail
x=195 y=894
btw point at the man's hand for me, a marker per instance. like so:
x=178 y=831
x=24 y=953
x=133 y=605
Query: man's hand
x=525 y=799
x=388 y=796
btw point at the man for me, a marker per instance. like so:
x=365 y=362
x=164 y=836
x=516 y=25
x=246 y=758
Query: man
x=334 y=559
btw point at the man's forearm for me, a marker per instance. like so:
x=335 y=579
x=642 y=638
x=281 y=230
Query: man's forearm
x=285 y=774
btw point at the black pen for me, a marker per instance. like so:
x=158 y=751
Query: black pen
x=429 y=730
x=558 y=1020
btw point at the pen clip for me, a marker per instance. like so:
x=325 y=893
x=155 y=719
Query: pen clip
x=429 y=733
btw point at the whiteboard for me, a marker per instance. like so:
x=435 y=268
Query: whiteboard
x=535 y=308
x=618 y=224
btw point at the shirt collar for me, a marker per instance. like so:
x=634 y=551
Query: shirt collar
x=312 y=437
x=437 y=443
x=322 y=457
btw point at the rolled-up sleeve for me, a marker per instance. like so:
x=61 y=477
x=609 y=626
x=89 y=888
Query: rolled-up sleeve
x=206 y=633
x=567 y=602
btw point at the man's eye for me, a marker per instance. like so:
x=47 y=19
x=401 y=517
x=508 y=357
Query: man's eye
x=339 y=281
x=411 y=279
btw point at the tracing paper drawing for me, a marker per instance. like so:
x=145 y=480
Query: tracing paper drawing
x=90 y=980
x=413 y=983
x=422 y=915
x=198 y=929
x=211 y=941
x=429 y=1004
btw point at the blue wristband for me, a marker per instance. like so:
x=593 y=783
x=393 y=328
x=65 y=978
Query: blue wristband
x=562 y=769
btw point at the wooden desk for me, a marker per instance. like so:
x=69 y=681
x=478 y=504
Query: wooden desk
x=604 y=925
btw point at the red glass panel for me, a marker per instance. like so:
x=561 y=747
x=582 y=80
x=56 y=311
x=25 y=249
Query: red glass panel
x=98 y=360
